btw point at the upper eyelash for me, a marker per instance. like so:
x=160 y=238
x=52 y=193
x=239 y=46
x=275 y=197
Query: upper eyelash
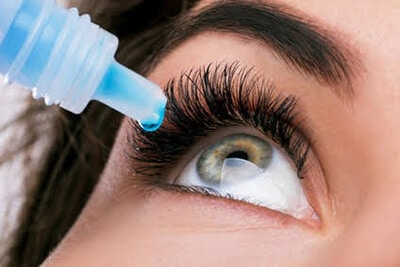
x=211 y=97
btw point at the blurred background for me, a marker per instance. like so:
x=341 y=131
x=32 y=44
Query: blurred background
x=13 y=101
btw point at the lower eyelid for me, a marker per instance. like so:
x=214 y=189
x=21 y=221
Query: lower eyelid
x=199 y=199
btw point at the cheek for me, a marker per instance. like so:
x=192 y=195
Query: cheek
x=164 y=230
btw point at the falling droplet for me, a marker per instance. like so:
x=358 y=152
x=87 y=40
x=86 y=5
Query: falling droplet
x=152 y=123
x=149 y=127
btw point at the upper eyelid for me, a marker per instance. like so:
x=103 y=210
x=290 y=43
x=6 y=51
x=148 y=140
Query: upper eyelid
x=186 y=113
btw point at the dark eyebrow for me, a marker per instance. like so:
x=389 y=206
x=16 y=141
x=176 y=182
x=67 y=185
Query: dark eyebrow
x=302 y=45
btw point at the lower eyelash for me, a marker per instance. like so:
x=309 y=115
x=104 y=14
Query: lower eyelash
x=190 y=189
x=213 y=97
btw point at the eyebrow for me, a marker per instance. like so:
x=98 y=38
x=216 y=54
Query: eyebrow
x=302 y=45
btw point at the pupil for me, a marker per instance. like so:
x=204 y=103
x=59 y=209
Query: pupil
x=238 y=155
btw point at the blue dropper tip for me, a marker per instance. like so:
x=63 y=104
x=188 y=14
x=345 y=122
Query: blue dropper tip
x=152 y=124
x=150 y=127
x=132 y=95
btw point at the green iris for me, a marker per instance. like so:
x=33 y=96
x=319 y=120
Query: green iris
x=241 y=146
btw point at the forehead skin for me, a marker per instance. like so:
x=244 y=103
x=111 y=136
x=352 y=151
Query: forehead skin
x=357 y=146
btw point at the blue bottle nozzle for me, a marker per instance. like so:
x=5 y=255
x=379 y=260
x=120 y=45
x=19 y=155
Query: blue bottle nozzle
x=148 y=106
x=67 y=60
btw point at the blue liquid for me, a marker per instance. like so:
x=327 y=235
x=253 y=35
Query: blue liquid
x=151 y=126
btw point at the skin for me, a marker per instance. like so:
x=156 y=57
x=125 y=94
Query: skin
x=353 y=184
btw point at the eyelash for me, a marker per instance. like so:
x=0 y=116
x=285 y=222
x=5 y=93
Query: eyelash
x=211 y=97
x=199 y=190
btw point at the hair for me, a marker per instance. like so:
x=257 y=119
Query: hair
x=78 y=146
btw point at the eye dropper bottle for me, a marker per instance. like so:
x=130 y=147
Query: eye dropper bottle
x=67 y=60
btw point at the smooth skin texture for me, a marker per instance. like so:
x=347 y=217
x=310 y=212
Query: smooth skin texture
x=355 y=181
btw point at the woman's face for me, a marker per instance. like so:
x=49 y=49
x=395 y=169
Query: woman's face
x=280 y=147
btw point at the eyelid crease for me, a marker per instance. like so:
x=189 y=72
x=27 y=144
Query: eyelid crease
x=211 y=97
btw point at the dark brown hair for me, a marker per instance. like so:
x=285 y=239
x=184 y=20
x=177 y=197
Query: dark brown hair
x=79 y=144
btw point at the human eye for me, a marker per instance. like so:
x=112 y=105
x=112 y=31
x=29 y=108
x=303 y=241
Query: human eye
x=249 y=168
x=227 y=134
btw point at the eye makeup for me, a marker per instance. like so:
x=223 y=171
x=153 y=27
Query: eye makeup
x=210 y=98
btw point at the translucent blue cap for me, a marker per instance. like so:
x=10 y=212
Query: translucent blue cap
x=68 y=60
